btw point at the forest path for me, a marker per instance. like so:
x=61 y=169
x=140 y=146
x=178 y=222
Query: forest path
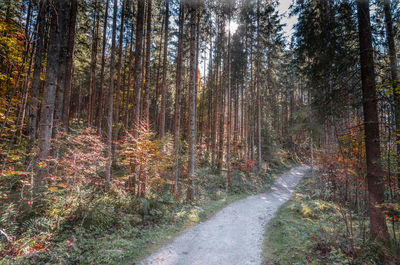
x=234 y=236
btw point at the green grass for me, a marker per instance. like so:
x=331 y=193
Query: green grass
x=310 y=230
x=288 y=236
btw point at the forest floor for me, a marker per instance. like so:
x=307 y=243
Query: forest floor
x=311 y=228
x=235 y=234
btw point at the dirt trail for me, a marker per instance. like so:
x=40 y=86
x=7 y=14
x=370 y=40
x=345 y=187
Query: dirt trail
x=234 y=236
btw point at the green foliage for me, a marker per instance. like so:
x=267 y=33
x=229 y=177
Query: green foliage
x=311 y=230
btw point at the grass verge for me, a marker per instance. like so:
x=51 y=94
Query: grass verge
x=309 y=229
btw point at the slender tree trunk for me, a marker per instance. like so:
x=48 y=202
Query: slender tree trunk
x=164 y=83
x=93 y=64
x=138 y=59
x=69 y=64
x=129 y=86
x=110 y=97
x=119 y=67
x=192 y=99
x=59 y=9
x=371 y=125
x=100 y=106
x=221 y=93
x=177 y=115
x=393 y=73
x=33 y=105
x=258 y=86
x=147 y=78
x=229 y=118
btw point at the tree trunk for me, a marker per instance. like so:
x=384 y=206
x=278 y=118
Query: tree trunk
x=118 y=91
x=110 y=97
x=33 y=105
x=59 y=9
x=147 y=78
x=393 y=73
x=68 y=67
x=93 y=64
x=138 y=59
x=258 y=86
x=229 y=118
x=164 y=84
x=100 y=106
x=177 y=115
x=192 y=99
x=376 y=187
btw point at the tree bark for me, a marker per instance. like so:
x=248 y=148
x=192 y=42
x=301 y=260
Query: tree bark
x=93 y=64
x=192 y=100
x=119 y=66
x=138 y=59
x=394 y=80
x=110 y=97
x=69 y=64
x=59 y=9
x=100 y=106
x=147 y=78
x=177 y=115
x=164 y=83
x=376 y=187
x=33 y=105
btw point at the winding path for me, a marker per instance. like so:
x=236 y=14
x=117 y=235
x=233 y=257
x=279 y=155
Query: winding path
x=234 y=236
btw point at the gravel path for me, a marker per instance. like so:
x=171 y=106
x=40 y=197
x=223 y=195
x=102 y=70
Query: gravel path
x=234 y=236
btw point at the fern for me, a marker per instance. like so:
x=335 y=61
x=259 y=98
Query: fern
x=37 y=225
x=8 y=223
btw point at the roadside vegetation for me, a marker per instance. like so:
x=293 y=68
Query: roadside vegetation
x=84 y=221
x=313 y=228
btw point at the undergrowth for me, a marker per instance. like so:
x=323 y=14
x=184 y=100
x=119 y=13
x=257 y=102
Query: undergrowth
x=311 y=229
x=86 y=225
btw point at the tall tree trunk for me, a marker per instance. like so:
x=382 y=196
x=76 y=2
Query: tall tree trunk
x=119 y=66
x=33 y=105
x=221 y=97
x=147 y=78
x=93 y=64
x=192 y=99
x=64 y=23
x=229 y=118
x=258 y=86
x=100 y=106
x=59 y=10
x=110 y=97
x=69 y=63
x=393 y=73
x=164 y=83
x=138 y=59
x=129 y=85
x=177 y=116
x=375 y=180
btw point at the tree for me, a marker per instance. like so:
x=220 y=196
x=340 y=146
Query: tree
x=393 y=73
x=164 y=82
x=378 y=227
x=103 y=62
x=119 y=67
x=33 y=105
x=147 y=78
x=138 y=59
x=178 y=86
x=59 y=10
x=110 y=97
x=93 y=63
x=68 y=68
x=192 y=102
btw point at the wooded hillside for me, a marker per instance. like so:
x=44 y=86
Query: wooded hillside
x=118 y=113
